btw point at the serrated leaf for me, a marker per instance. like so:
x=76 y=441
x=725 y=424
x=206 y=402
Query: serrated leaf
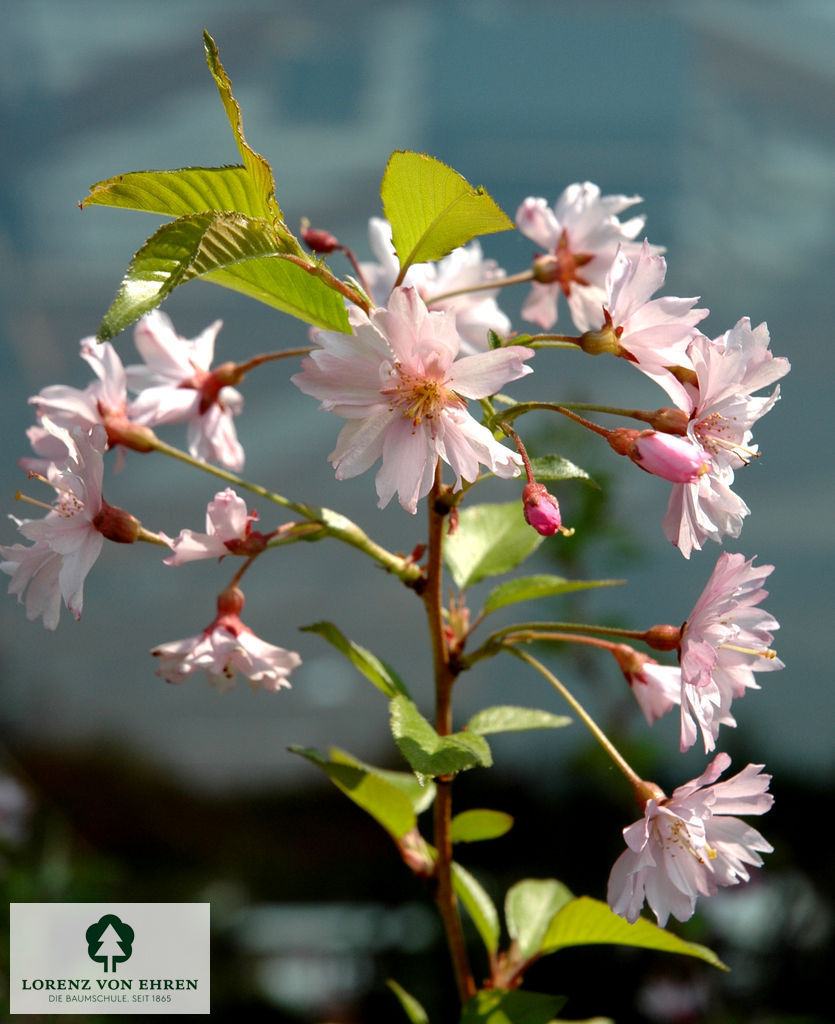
x=555 y=467
x=411 y=1007
x=429 y=754
x=182 y=192
x=527 y=588
x=258 y=169
x=509 y=718
x=497 y=1006
x=419 y=796
x=585 y=921
x=478 y=905
x=489 y=540
x=432 y=209
x=210 y=245
x=477 y=825
x=384 y=802
x=529 y=907
x=378 y=672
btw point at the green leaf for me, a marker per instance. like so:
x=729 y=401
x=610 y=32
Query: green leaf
x=477 y=825
x=555 y=467
x=182 y=192
x=210 y=245
x=585 y=921
x=429 y=754
x=529 y=907
x=412 y=1008
x=419 y=796
x=258 y=169
x=381 y=675
x=497 y=1006
x=528 y=588
x=432 y=209
x=489 y=540
x=478 y=905
x=507 y=718
x=384 y=802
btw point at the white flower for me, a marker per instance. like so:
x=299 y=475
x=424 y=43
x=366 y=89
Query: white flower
x=228 y=529
x=399 y=385
x=690 y=844
x=580 y=238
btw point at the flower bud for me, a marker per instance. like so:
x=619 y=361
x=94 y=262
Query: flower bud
x=318 y=240
x=541 y=509
x=666 y=455
x=117 y=525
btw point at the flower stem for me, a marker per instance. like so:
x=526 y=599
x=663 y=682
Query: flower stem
x=484 y=286
x=333 y=524
x=444 y=679
x=601 y=737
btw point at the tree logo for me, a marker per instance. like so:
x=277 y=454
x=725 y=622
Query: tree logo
x=109 y=939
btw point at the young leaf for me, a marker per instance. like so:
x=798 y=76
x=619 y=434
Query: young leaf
x=381 y=675
x=385 y=803
x=555 y=467
x=429 y=754
x=478 y=905
x=529 y=907
x=258 y=169
x=585 y=921
x=179 y=193
x=420 y=797
x=210 y=245
x=432 y=209
x=411 y=1007
x=489 y=540
x=507 y=718
x=527 y=588
x=477 y=825
x=497 y=1006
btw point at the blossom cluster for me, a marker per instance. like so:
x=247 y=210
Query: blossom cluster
x=433 y=341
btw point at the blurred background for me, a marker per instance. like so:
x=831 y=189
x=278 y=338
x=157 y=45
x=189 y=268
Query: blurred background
x=117 y=785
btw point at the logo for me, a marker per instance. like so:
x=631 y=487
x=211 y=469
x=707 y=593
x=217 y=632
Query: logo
x=120 y=958
x=109 y=939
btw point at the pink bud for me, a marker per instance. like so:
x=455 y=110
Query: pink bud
x=669 y=456
x=319 y=240
x=542 y=511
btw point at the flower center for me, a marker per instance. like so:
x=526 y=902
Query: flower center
x=716 y=433
x=420 y=398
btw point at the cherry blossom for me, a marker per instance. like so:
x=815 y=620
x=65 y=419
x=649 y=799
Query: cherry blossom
x=476 y=312
x=541 y=509
x=657 y=688
x=397 y=382
x=225 y=648
x=654 y=334
x=228 y=529
x=580 y=238
x=690 y=844
x=67 y=541
x=175 y=385
x=723 y=643
x=721 y=409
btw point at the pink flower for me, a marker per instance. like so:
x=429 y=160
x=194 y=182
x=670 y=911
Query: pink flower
x=657 y=688
x=404 y=395
x=580 y=238
x=67 y=541
x=226 y=647
x=721 y=410
x=176 y=385
x=652 y=333
x=476 y=312
x=723 y=643
x=228 y=529
x=691 y=844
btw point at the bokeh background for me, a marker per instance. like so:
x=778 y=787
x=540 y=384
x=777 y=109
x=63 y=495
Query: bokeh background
x=722 y=116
